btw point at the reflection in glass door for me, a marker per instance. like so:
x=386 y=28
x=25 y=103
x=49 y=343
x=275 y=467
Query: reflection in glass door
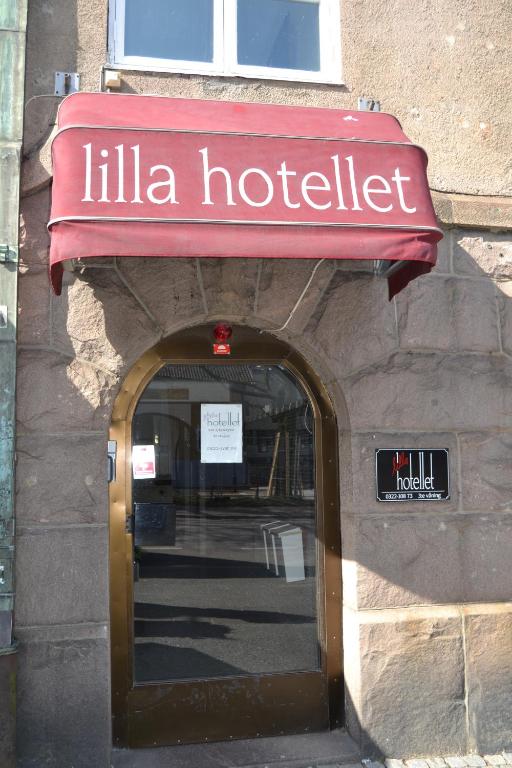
x=224 y=544
x=225 y=552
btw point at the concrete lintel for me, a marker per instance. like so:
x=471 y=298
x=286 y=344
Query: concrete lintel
x=474 y=211
x=381 y=616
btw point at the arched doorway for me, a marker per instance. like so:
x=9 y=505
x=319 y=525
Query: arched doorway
x=224 y=545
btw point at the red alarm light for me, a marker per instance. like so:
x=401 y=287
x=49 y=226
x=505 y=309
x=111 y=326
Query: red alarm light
x=222 y=332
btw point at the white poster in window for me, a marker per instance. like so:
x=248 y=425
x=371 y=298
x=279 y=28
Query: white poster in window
x=143 y=462
x=221 y=433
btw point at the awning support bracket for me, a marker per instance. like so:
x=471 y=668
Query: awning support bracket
x=385 y=268
x=8 y=254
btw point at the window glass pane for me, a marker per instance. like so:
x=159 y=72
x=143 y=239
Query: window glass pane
x=169 y=29
x=279 y=33
x=225 y=579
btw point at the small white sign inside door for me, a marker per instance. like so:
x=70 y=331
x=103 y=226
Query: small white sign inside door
x=221 y=433
x=143 y=462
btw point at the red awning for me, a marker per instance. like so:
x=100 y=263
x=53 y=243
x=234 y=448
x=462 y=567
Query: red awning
x=154 y=176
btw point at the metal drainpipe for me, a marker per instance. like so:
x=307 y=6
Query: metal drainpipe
x=13 y=21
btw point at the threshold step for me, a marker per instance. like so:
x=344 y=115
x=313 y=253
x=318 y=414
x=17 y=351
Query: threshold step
x=332 y=749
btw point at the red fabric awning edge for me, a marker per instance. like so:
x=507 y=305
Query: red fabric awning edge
x=115 y=239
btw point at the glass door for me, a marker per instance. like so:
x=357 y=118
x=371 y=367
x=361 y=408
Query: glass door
x=227 y=607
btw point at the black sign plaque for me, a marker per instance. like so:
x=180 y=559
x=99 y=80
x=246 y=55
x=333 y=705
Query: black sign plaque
x=412 y=474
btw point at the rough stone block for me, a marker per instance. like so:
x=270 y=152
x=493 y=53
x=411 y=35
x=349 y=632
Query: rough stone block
x=402 y=561
x=168 y=287
x=97 y=319
x=398 y=659
x=39 y=129
x=36 y=170
x=362 y=462
x=495 y=760
x=448 y=313
x=486 y=461
x=56 y=394
x=62 y=575
x=34 y=306
x=34 y=238
x=489 y=680
x=229 y=286
x=354 y=322
x=61 y=480
x=436 y=762
x=405 y=560
x=416 y=763
x=429 y=391
x=280 y=286
x=486 y=543
x=478 y=253
x=63 y=712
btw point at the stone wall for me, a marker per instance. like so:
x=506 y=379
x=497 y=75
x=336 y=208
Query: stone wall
x=427 y=626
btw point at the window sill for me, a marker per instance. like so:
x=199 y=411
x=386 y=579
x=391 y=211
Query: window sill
x=247 y=73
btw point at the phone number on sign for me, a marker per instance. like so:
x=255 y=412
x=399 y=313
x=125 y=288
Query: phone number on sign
x=406 y=496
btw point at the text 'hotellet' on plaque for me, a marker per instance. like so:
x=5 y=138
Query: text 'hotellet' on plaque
x=412 y=474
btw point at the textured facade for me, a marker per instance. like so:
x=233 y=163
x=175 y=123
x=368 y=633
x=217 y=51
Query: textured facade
x=427 y=626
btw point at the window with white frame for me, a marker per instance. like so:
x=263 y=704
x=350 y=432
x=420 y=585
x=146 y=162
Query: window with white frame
x=280 y=39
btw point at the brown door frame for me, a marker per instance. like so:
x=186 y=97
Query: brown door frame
x=131 y=703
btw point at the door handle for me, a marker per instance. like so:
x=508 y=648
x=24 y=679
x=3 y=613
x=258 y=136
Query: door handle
x=111 y=459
